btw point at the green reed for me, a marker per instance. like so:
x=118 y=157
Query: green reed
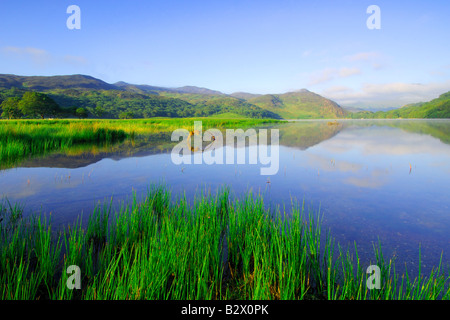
x=21 y=139
x=217 y=246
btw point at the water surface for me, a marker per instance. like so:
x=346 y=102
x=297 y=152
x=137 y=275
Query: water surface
x=373 y=181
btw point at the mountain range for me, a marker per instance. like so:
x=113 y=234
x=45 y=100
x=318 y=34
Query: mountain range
x=140 y=100
x=146 y=100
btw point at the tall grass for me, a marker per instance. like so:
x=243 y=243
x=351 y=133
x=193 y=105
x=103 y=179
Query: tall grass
x=216 y=247
x=163 y=125
x=24 y=138
x=20 y=139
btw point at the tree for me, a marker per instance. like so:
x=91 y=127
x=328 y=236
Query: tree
x=35 y=104
x=81 y=113
x=10 y=108
x=126 y=115
x=99 y=111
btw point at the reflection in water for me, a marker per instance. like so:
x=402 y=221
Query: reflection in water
x=385 y=180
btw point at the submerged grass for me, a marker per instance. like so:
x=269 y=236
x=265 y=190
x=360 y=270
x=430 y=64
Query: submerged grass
x=212 y=248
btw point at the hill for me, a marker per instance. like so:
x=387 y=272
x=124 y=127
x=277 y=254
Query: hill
x=41 y=83
x=197 y=90
x=353 y=109
x=244 y=95
x=122 y=100
x=301 y=104
x=143 y=88
x=102 y=99
x=138 y=88
x=434 y=109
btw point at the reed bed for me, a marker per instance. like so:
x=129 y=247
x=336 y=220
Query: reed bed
x=21 y=139
x=164 y=125
x=216 y=247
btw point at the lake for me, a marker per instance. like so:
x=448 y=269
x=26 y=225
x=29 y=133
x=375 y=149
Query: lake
x=372 y=180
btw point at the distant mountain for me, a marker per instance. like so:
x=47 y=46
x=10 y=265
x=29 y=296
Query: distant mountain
x=197 y=90
x=301 y=104
x=113 y=100
x=124 y=100
x=353 y=109
x=139 y=88
x=356 y=109
x=225 y=103
x=244 y=95
x=155 y=90
x=434 y=109
x=41 y=83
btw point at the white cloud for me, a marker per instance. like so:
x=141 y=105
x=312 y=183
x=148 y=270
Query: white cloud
x=373 y=181
x=76 y=60
x=331 y=74
x=338 y=89
x=396 y=93
x=375 y=59
x=363 y=56
x=375 y=143
x=347 y=72
x=41 y=57
x=36 y=55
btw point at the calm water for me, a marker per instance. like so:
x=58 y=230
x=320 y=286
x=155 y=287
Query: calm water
x=386 y=180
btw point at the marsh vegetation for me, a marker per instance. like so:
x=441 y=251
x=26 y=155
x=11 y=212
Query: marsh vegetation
x=218 y=247
x=21 y=139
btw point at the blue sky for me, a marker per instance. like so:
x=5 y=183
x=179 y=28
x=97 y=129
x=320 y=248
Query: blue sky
x=247 y=45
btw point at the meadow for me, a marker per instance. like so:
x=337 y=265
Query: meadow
x=218 y=247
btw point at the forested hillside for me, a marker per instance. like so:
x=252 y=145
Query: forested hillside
x=434 y=109
x=73 y=94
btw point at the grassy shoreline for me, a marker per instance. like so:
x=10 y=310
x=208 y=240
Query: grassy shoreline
x=20 y=139
x=216 y=248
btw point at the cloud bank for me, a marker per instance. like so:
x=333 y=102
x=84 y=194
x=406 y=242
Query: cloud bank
x=396 y=94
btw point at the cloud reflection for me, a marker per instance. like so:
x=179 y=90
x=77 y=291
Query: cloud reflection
x=381 y=141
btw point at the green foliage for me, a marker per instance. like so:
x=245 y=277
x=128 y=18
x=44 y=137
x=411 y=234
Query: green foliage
x=42 y=83
x=10 y=108
x=116 y=103
x=81 y=113
x=10 y=93
x=299 y=105
x=98 y=111
x=434 y=109
x=22 y=138
x=35 y=104
x=126 y=115
x=213 y=104
x=103 y=100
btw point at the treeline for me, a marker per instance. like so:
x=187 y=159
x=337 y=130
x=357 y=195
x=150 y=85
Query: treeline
x=113 y=104
x=18 y=103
